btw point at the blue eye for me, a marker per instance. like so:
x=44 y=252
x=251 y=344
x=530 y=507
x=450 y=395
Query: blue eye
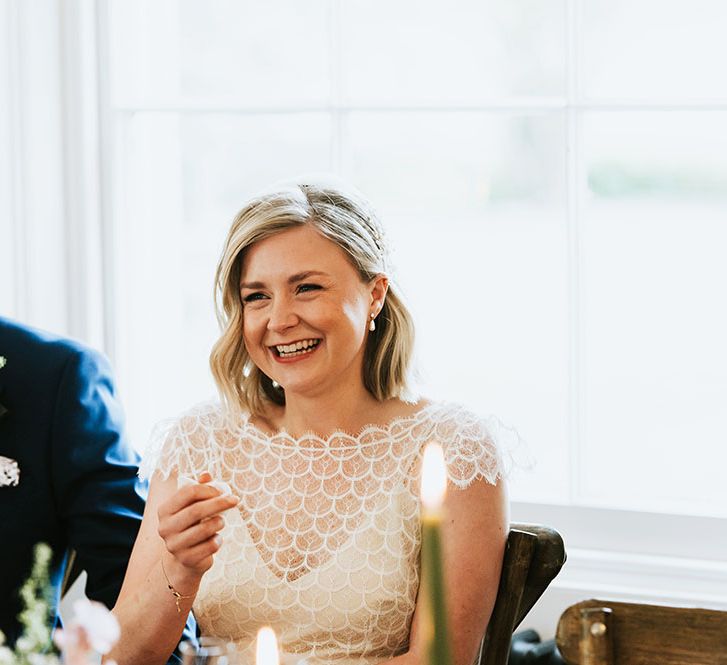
x=252 y=297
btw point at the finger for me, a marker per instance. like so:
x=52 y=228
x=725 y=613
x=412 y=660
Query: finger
x=200 y=555
x=202 y=510
x=195 y=513
x=204 y=477
x=194 y=535
x=187 y=496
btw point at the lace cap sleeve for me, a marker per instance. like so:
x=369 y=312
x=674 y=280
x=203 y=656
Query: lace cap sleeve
x=182 y=445
x=475 y=447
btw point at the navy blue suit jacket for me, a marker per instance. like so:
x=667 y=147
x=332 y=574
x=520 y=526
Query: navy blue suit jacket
x=78 y=486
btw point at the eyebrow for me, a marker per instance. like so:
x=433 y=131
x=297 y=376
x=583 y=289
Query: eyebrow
x=298 y=277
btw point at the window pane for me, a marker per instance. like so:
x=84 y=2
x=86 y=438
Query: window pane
x=225 y=53
x=457 y=164
x=655 y=319
x=654 y=49
x=183 y=178
x=474 y=206
x=462 y=52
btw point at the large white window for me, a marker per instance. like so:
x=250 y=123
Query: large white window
x=553 y=176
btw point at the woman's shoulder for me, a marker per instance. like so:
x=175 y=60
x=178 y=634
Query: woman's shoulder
x=474 y=445
x=207 y=413
x=451 y=416
x=186 y=436
x=427 y=417
x=205 y=417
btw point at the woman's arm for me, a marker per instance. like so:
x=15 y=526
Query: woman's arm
x=474 y=532
x=179 y=529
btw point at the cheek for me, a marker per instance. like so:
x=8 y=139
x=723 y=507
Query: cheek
x=251 y=330
x=355 y=314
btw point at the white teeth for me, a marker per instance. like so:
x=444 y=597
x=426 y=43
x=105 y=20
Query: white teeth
x=302 y=346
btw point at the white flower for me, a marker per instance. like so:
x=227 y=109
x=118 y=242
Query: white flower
x=9 y=472
x=101 y=627
x=6 y=656
x=93 y=628
x=42 y=659
x=23 y=644
x=3 y=361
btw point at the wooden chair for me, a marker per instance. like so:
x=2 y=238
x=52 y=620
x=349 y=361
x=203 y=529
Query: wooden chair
x=598 y=632
x=533 y=557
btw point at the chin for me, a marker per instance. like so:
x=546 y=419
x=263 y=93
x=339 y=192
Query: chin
x=302 y=388
x=310 y=387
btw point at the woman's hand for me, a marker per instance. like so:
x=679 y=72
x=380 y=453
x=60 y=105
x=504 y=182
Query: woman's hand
x=179 y=531
x=189 y=523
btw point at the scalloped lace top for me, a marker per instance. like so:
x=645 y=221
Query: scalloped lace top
x=324 y=545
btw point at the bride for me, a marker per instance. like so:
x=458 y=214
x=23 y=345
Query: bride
x=294 y=503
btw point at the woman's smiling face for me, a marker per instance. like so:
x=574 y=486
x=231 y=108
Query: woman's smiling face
x=306 y=311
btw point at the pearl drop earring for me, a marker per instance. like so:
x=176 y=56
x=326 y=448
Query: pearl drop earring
x=372 y=323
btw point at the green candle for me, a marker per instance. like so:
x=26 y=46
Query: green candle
x=434 y=624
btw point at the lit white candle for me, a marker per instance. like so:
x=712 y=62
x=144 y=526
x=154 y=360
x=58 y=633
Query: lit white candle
x=266 y=649
x=434 y=479
x=433 y=488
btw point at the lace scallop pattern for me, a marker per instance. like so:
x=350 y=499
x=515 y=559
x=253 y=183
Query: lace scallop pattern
x=324 y=545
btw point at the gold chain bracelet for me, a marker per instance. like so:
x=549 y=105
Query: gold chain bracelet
x=177 y=596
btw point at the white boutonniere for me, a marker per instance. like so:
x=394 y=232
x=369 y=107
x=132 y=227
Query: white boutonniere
x=9 y=472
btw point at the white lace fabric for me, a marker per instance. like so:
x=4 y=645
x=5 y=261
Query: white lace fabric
x=324 y=545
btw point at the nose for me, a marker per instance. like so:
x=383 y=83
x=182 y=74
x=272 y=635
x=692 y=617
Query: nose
x=282 y=316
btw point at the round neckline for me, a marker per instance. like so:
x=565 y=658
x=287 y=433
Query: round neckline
x=285 y=438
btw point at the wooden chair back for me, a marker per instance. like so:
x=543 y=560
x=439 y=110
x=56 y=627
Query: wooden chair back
x=533 y=556
x=599 y=632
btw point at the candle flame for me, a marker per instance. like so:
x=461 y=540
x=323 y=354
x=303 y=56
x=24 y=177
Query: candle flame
x=266 y=652
x=434 y=477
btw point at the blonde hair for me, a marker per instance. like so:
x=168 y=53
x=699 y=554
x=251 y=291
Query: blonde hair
x=344 y=217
